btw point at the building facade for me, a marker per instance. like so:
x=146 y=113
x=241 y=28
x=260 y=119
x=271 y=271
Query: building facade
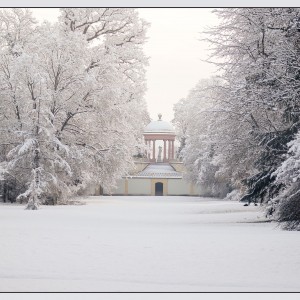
x=158 y=173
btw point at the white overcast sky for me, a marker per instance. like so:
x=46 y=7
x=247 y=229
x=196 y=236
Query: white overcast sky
x=175 y=52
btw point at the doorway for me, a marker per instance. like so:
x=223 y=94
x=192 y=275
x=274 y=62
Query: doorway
x=159 y=188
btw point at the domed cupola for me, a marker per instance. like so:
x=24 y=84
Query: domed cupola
x=159 y=126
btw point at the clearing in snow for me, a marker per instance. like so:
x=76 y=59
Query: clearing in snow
x=146 y=244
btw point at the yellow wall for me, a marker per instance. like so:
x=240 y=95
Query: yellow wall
x=146 y=186
x=138 y=186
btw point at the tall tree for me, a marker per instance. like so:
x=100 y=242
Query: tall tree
x=257 y=102
x=252 y=46
x=81 y=90
x=196 y=122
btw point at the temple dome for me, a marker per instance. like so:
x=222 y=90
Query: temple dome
x=159 y=126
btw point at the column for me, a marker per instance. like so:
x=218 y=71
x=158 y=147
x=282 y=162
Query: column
x=173 y=150
x=149 y=151
x=169 y=150
x=165 y=152
x=153 y=150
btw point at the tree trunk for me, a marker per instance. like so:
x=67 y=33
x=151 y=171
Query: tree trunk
x=5 y=192
x=34 y=198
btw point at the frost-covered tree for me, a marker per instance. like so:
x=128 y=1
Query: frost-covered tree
x=73 y=98
x=285 y=207
x=257 y=51
x=257 y=103
x=196 y=122
x=181 y=124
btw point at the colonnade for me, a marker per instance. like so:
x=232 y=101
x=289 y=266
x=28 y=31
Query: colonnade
x=168 y=149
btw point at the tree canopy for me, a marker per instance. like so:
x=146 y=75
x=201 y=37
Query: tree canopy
x=72 y=106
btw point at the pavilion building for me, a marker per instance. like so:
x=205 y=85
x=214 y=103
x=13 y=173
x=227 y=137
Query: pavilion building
x=159 y=172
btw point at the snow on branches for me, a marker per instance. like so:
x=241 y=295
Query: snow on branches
x=256 y=113
x=72 y=103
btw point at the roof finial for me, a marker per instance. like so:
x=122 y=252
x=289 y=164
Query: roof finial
x=159 y=116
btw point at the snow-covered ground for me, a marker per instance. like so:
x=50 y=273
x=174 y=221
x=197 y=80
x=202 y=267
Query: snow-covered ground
x=146 y=244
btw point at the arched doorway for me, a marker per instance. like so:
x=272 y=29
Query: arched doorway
x=159 y=188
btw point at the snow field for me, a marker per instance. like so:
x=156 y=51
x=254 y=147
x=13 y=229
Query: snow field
x=146 y=244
